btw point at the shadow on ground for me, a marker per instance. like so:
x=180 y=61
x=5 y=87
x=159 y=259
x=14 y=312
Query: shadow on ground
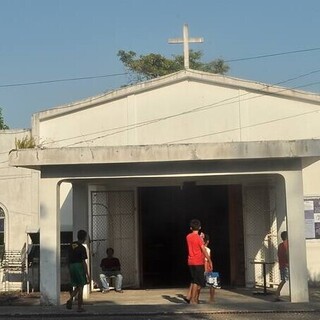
x=172 y=296
x=17 y=298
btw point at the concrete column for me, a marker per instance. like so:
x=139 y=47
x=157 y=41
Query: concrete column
x=49 y=242
x=81 y=221
x=80 y=208
x=281 y=220
x=296 y=237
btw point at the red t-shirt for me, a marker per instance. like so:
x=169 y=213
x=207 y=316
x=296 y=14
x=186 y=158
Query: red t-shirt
x=283 y=254
x=195 y=254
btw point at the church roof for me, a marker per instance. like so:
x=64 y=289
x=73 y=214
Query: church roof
x=180 y=76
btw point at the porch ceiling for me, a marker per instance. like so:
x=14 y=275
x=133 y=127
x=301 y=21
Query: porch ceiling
x=37 y=158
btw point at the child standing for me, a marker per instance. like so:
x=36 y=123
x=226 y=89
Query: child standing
x=283 y=257
x=207 y=268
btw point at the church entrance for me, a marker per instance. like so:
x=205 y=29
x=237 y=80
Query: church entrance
x=165 y=213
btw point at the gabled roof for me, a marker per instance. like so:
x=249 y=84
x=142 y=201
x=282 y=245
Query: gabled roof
x=184 y=75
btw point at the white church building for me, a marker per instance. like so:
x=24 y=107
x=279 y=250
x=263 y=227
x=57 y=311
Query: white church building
x=135 y=165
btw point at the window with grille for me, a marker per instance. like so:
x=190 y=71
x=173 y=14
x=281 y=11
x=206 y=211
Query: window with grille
x=113 y=225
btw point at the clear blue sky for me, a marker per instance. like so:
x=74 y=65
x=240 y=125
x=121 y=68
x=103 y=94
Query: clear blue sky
x=58 y=39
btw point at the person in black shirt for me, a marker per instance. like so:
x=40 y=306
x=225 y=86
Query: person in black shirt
x=111 y=268
x=78 y=269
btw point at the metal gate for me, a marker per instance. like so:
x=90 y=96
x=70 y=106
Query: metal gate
x=113 y=225
x=260 y=234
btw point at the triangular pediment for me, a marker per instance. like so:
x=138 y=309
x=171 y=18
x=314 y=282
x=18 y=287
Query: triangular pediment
x=174 y=78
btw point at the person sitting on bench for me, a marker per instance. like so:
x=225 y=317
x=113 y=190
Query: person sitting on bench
x=111 y=269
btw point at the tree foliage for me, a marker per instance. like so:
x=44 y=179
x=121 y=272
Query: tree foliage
x=3 y=126
x=154 y=65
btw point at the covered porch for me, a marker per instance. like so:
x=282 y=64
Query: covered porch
x=275 y=164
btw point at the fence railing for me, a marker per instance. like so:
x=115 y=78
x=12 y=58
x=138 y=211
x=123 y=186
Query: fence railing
x=13 y=270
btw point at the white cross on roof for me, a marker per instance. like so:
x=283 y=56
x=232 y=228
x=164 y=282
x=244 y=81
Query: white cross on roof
x=185 y=40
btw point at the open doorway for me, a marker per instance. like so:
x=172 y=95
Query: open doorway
x=165 y=213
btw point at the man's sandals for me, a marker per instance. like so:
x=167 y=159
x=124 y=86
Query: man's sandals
x=69 y=306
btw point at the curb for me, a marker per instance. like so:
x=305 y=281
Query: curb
x=156 y=313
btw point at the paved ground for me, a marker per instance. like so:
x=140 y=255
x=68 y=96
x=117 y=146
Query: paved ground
x=193 y=316
x=165 y=304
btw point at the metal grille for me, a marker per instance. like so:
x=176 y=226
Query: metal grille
x=13 y=270
x=274 y=276
x=2 y=228
x=261 y=231
x=113 y=225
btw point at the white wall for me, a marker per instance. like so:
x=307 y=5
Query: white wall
x=19 y=193
x=311 y=182
x=66 y=209
x=184 y=112
x=313 y=261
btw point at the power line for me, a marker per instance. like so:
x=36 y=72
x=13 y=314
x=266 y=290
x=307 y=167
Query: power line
x=61 y=80
x=196 y=109
x=126 y=73
x=253 y=125
x=273 y=55
x=220 y=103
x=244 y=127
x=203 y=108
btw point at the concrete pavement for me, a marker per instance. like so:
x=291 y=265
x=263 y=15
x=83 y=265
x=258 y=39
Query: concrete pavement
x=161 y=301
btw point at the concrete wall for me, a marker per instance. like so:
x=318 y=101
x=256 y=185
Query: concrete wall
x=66 y=208
x=19 y=193
x=184 y=112
x=19 y=198
x=311 y=184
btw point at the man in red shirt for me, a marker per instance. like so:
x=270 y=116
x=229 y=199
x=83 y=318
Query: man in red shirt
x=283 y=259
x=196 y=260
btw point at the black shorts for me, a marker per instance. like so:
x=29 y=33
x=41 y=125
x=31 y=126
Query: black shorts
x=197 y=275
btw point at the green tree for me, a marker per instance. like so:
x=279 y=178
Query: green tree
x=154 y=65
x=3 y=126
